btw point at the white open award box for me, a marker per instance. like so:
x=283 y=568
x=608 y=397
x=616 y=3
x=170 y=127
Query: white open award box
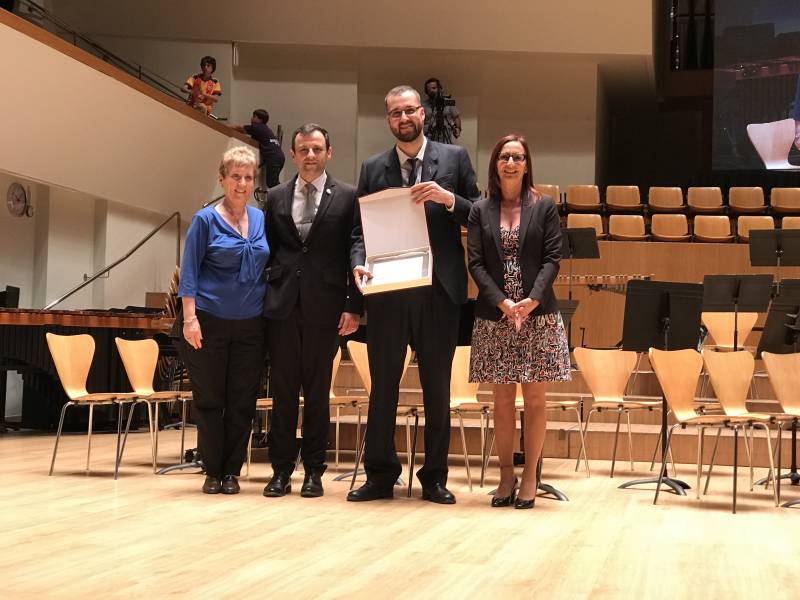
x=396 y=241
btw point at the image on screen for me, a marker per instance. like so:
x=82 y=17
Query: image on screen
x=757 y=85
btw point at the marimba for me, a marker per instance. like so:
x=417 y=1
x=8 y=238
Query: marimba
x=23 y=348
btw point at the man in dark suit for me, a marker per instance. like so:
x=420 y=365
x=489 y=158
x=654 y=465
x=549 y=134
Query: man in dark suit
x=311 y=300
x=441 y=176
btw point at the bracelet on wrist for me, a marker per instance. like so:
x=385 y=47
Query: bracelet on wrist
x=189 y=320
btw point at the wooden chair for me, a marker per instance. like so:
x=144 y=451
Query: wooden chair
x=595 y=221
x=360 y=358
x=790 y=223
x=746 y=223
x=731 y=374
x=706 y=200
x=623 y=198
x=721 y=327
x=72 y=356
x=549 y=190
x=627 y=228
x=773 y=141
x=463 y=400
x=746 y=200
x=677 y=372
x=715 y=228
x=784 y=374
x=140 y=358
x=669 y=228
x=665 y=200
x=785 y=201
x=606 y=373
x=583 y=198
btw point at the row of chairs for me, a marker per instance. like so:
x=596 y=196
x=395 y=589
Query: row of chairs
x=698 y=200
x=73 y=355
x=676 y=227
x=606 y=372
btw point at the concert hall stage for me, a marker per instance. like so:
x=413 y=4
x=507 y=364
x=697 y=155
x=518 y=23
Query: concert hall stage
x=77 y=535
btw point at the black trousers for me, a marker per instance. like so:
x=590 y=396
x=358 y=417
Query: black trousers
x=301 y=356
x=272 y=172
x=225 y=375
x=428 y=320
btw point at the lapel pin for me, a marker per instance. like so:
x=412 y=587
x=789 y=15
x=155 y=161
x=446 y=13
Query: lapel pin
x=328 y=191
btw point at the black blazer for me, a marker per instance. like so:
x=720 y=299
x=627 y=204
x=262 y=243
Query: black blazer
x=317 y=270
x=450 y=167
x=539 y=254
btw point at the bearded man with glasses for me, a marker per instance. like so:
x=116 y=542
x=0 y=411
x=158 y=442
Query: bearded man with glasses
x=440 y=176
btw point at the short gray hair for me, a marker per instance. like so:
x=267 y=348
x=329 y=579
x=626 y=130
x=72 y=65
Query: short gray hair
x=238 y=156
x=399 y=90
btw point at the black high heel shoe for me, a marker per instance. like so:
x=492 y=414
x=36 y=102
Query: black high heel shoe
x=525 y=504
x=505 y=500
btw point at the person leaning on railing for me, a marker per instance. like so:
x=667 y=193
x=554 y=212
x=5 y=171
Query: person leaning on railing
x=222 y=290
x=203 y=89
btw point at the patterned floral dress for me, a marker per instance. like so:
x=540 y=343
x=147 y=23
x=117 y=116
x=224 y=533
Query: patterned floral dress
x=539 y=351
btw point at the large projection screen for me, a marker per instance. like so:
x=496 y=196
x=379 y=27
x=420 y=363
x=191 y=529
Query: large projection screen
x=757 y=85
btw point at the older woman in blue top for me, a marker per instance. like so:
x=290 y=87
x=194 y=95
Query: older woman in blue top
x=222 y=291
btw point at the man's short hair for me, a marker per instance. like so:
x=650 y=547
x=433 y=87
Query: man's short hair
x=399 y=90
x=262 y=115
x=310 y=128
x=431 y=80
x=208 y=60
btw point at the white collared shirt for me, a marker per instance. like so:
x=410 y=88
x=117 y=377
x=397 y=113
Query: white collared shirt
x=299 y=199
x=405 y=167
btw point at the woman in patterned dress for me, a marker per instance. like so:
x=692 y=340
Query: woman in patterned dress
x=514 y=247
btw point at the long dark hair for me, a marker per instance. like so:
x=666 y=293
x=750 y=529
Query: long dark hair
x=526 y=192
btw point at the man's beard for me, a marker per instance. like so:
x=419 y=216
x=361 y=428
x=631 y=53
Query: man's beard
x=409 y=135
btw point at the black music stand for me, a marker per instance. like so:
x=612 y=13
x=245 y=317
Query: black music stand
x=775 y=248
x=781 y=335
x=663 y=315
x=576 y=242
x=736 y=293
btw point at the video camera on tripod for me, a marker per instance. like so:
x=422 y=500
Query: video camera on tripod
x=442 y=124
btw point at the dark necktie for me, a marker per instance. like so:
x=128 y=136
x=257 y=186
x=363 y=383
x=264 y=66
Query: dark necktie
x=309 y=208
x=412 y=176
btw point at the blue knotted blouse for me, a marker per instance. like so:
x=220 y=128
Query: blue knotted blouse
x=223 y=271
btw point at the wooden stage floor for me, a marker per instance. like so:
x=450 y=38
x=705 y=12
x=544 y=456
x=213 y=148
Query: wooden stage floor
x=79 y=536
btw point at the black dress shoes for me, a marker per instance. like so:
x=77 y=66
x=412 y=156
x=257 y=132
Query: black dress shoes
x=212 y=485
x=279 y=485
x=370 y=491
x=230 y=485
x=438 y=493
x=312 y=484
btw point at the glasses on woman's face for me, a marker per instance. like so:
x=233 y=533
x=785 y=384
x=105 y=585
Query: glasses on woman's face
x=408 y=111
x=514 y=157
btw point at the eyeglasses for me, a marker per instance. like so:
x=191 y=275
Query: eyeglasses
x=409 y=111
x=515 y=158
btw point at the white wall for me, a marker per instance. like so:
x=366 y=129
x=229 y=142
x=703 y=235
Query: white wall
x=101 y=137
x=17 y=246
x=150 y=268
x=297 y=86
x=177 y=60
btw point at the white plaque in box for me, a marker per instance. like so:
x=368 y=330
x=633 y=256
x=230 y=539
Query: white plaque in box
x=396 y=241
